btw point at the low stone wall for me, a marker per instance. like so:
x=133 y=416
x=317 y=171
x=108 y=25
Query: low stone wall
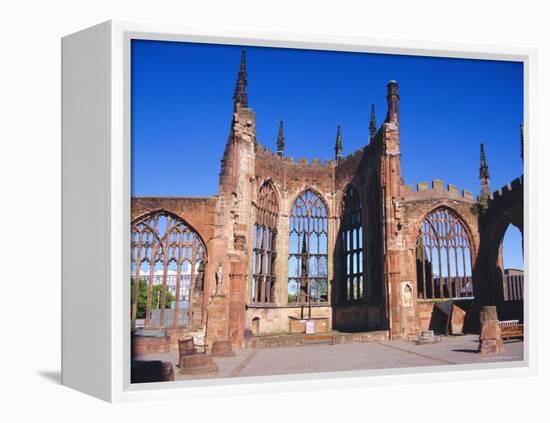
x=143 y=344
x=374 y=336
x=296 y=340
x=150 y=344
x=276 y=320
x=320 y=325
x=274 y=341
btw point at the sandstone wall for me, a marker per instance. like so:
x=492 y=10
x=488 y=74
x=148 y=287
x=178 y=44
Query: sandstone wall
x=276 y=320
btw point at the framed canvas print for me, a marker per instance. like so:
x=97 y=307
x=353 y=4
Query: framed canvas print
x=265 y=208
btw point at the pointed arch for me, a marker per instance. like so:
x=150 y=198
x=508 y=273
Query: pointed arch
x=264 y=253
x=443 y=256
x=510 y=265
x=267 y=204
x=308 y=245
x=167 y=256
x=314 y=192
x=352 y=245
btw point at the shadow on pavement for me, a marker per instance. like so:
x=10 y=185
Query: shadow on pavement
x=51 y=375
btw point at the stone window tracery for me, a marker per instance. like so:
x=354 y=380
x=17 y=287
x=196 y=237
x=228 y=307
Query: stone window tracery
x=167 y=265
x=265 y=252
x=352 y=247
x=308 y=243
x=443 y=257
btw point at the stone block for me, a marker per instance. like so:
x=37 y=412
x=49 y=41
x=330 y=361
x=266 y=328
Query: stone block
x=490 y=329
x=297 y=326
x=489 y=346
x=197 y=364
x=489 y=338
x=321 y=325
x=453 y=190
x=437 y=184
x=488 y=313
x=422 y=186
x=458 y=317
x=468 y=195
x=222 y=349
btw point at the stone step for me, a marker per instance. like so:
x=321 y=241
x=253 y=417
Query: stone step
x=294 y=340
x=319 y=339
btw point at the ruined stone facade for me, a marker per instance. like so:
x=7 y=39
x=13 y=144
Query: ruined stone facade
x=250 y=264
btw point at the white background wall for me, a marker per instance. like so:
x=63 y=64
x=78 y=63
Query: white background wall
x=30 y=184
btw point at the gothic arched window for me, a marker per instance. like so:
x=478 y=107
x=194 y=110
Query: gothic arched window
x=443 y=257
x=264 y=253
x=168 y=260
x=308 y=242
x=351 y=238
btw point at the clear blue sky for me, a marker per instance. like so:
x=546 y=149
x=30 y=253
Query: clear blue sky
x=182 y=105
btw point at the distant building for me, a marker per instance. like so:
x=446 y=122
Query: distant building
x=513 y=285
x=171 y=281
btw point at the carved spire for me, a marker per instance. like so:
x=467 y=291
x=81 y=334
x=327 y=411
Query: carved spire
x=484 y=172
x=280 y=141
x=338 y=147
x=521 y=135
x=372 y=124
x=240 y=98
x=483 y=167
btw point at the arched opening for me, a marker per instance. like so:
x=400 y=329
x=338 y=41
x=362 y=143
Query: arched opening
x=443 y=257
x=510 y=261
x=256 y=326
x=352 y=246
x=308 y=244
x=167 y=266
x=265 y=252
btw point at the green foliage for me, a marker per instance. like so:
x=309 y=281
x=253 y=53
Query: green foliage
x=155 y=298
x=480 y=207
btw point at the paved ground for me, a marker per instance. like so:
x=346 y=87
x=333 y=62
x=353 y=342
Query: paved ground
x=356 y=356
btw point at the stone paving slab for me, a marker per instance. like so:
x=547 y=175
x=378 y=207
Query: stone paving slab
x=345 y=357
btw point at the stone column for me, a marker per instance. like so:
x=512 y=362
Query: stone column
x=489 y=338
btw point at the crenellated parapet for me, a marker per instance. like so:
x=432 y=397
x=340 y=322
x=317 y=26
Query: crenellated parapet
x=351 y=168
x=507 y=192
x=355 y=156
x=265 y=153
x=437 y=189
x=289 y=174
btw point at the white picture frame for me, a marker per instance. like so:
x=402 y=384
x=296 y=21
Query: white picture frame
x=96 y=188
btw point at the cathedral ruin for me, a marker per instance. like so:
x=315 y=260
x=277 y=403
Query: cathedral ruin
x=341 y=246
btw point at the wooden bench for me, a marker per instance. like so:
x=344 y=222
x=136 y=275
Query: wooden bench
x=510 y=329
